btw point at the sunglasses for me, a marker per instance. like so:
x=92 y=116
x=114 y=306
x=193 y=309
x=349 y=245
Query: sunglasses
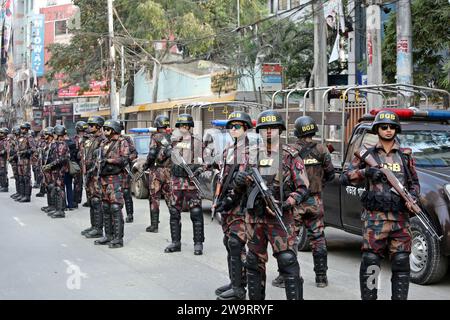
x=92 y=125
x=384 y=127
x=236 y=126
x=107 y=129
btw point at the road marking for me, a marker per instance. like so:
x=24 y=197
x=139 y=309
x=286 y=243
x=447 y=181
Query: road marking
x=19 y=222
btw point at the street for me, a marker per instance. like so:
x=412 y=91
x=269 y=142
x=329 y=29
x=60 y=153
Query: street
x=44 y=258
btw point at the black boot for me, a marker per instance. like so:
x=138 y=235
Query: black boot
x=128 y=205
x=60 y=204
x=228 y=286
x=26 y=190
x=175 y=232
x=279 y=282
x=320 y=268
x=154 y=221
x=368 y=276
x=16 y=182
x=107 y=221
x=255 y=278
x=198 y=228
x=92 y=220
x=118 y=225
x=21 y=190
x=41 y=192
x=237 y=291
x=3 y=181
x=53 y=199
x=50 y=203
x=97 y=231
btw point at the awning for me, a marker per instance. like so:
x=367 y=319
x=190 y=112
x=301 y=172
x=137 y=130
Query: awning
x=161 y=105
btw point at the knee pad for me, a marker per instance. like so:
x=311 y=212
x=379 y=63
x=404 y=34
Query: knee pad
x=196 y=213
x=126 y=193
x=115 y=207
x=370 y=259
x=288 y=263
x=400 y=262
x=105 y=207
x=235 y=246
x=174 y=213
x=251 y=261
x=96 y=203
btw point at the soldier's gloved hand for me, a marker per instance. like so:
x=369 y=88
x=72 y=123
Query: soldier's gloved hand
x=47 y=167
x=288 y=204
x=167 y=152
x=374 y=174
x=199 y=171
x=225 y=205
x=241 y=179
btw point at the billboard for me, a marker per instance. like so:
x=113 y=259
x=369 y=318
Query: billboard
x=96 y=88
x=37 y=44
x=272 y=76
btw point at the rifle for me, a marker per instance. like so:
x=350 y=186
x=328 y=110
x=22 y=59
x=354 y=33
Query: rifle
x=188 y=170
x=400 y=190
x=99 y=163
x=217 y=192
x=268 y=197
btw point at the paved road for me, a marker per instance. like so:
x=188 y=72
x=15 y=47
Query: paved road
x=41 y=257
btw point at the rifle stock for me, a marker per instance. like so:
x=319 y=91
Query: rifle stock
x=217 y=193
x=399 y=189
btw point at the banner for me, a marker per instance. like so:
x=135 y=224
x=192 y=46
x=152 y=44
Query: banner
x=272 y=76
x=82 y=107
x=6 y=18
x=37 y=44
x=96 y=88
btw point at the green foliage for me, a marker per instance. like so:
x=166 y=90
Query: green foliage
x=431 y=43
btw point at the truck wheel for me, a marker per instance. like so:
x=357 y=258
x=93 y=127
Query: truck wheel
x=140 y=189
x=428 y=265
x=303 y=244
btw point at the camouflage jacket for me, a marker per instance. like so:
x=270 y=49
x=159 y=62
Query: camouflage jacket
x=3 y=150
x=59 y=156
x=115 y=156
x=131 y=146
x=26 y=146
x=392 y=161
x=90 y=146
x=317 y=160
x=159 y=142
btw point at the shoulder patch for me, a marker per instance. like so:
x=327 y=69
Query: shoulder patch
x=407 y=151
x=291 y=150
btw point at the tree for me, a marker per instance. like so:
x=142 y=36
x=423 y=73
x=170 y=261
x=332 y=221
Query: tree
x=431 y=43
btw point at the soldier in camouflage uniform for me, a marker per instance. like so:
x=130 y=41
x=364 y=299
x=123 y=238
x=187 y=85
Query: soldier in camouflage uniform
x=4 y=183
x=159 y=165
x=41 y=145
x=47 y=181
x=59 y=165
x=13 y=159
x=79 y=140
x=187 y=146
x=26 y=147
x=114 y=157
x=320 y=170
x=126 y=188
x=35 y=161
x=261 y=225
x=93 y=189
x=385 y=214
x=235 y=158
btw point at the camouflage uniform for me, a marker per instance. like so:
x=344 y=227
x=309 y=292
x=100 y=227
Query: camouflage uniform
x=263 y=228
x=112 y=174
x=319 y=169
x=79 y=140
x=12 y=158
x=93 y=189
x=235 y=158
x=41 y=146
x=385 y=217
x=127 y=180
x=159 y=176
x=184 y=190
x=4 y=182
x=26 y=147
x=59 y=165
x=48 y=183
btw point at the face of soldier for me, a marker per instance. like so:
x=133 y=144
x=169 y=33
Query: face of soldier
x=236 y=130
x=387 y=132
x=92 y=128
x=23 y=131
x=184 y=128
x=108 y=132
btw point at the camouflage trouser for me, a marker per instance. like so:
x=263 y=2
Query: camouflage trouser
x=14 y=168
x=260 y=234
x=93 y=188
x=24 y=168
x=57 y=179
x=37 y=172
x=380 y=235
x=78 y=187
x=112 y=189
x=191 y=197
x=159 y=183
x=48 y=179
x=4 y=182
x=310 y=214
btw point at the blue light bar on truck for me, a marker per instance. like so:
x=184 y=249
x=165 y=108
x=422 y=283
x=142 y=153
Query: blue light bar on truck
x=143 y=130
x=410 y=113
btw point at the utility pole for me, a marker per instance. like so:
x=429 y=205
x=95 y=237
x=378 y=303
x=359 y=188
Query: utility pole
x=113 y=101
x=404 y=46
x=352 y=68
x=320 y=53
x=373 y=45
